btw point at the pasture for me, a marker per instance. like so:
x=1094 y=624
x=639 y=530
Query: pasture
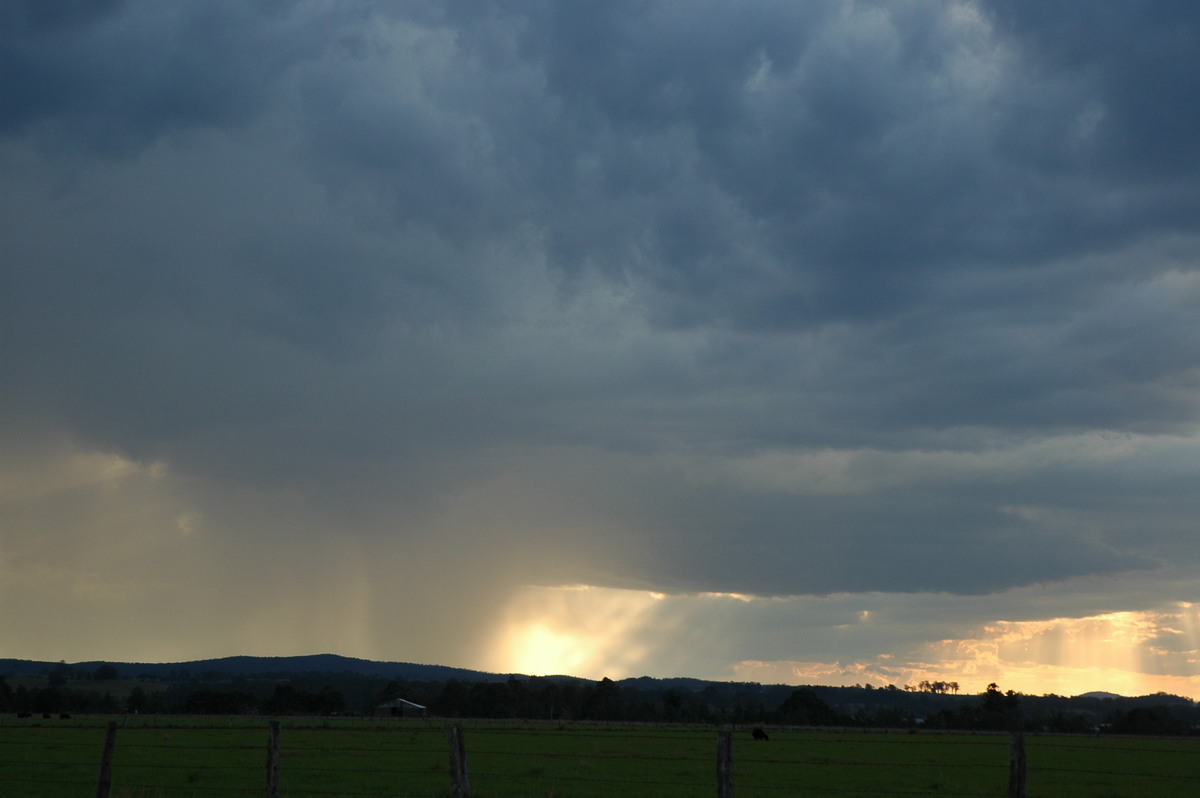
x=192 y=757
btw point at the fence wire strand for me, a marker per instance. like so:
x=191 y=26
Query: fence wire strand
x=674 y=759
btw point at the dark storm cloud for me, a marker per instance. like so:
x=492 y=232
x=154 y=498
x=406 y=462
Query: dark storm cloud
x=113 y=76
x=379 y=254
x=917 y=524
x=1140 y=61
x=856 y=146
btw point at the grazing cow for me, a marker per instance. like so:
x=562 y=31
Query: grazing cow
x=24 y=714
x=64 y=716
x=759 y=734
x=45 y=716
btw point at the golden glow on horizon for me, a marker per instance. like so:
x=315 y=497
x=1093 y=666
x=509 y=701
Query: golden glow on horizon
x=1130 y=653
x=573 y=630
x=593 y=632
x=540 y=650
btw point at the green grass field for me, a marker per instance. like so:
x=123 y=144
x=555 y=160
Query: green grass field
x=165 y=757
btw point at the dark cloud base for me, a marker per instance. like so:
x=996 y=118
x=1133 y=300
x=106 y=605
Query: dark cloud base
x=385 y=259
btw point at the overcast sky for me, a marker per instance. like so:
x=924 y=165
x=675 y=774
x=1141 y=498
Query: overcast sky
x=837 y=341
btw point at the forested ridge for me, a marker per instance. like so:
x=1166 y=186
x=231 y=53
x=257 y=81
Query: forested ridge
x=326 y=685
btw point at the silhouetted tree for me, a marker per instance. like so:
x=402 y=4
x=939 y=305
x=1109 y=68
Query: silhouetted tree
x=604 y=701
x=287 y=700
x=1157 y=720
x=672 y=704
x=452 y=701
x=49 y=699
x=61 y=673
x=138 y=701
x=219 y=702
x=488 y=700
x=805 y=708
x=551 y=699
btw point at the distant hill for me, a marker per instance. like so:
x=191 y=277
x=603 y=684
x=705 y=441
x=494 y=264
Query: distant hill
x=264 y=666
x=276 y=668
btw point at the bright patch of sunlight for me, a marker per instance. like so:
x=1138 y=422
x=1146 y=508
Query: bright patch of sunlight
x=578 y=630
x=1130 y=653
x=539 y=650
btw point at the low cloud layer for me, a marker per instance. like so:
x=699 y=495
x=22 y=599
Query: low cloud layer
x=356 y=322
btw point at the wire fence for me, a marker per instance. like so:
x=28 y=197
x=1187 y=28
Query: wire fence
x=163 y=757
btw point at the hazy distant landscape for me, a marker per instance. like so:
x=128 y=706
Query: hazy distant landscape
x=821 y=342
x=818 y=379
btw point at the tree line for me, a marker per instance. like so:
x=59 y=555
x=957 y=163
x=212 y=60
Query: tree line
x=636 y=700
x=284 y=699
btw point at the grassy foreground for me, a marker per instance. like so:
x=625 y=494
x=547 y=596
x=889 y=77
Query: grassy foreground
x=161 y=757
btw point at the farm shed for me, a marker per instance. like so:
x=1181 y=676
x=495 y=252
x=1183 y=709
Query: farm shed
x=399 y=708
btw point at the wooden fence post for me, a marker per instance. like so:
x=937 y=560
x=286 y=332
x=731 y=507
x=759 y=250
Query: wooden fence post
x=110 y=743
x=273 y=761
x=458 y=762
x=724 y=764
x=1016 y=766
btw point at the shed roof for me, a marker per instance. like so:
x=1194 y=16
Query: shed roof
x=401 y=703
